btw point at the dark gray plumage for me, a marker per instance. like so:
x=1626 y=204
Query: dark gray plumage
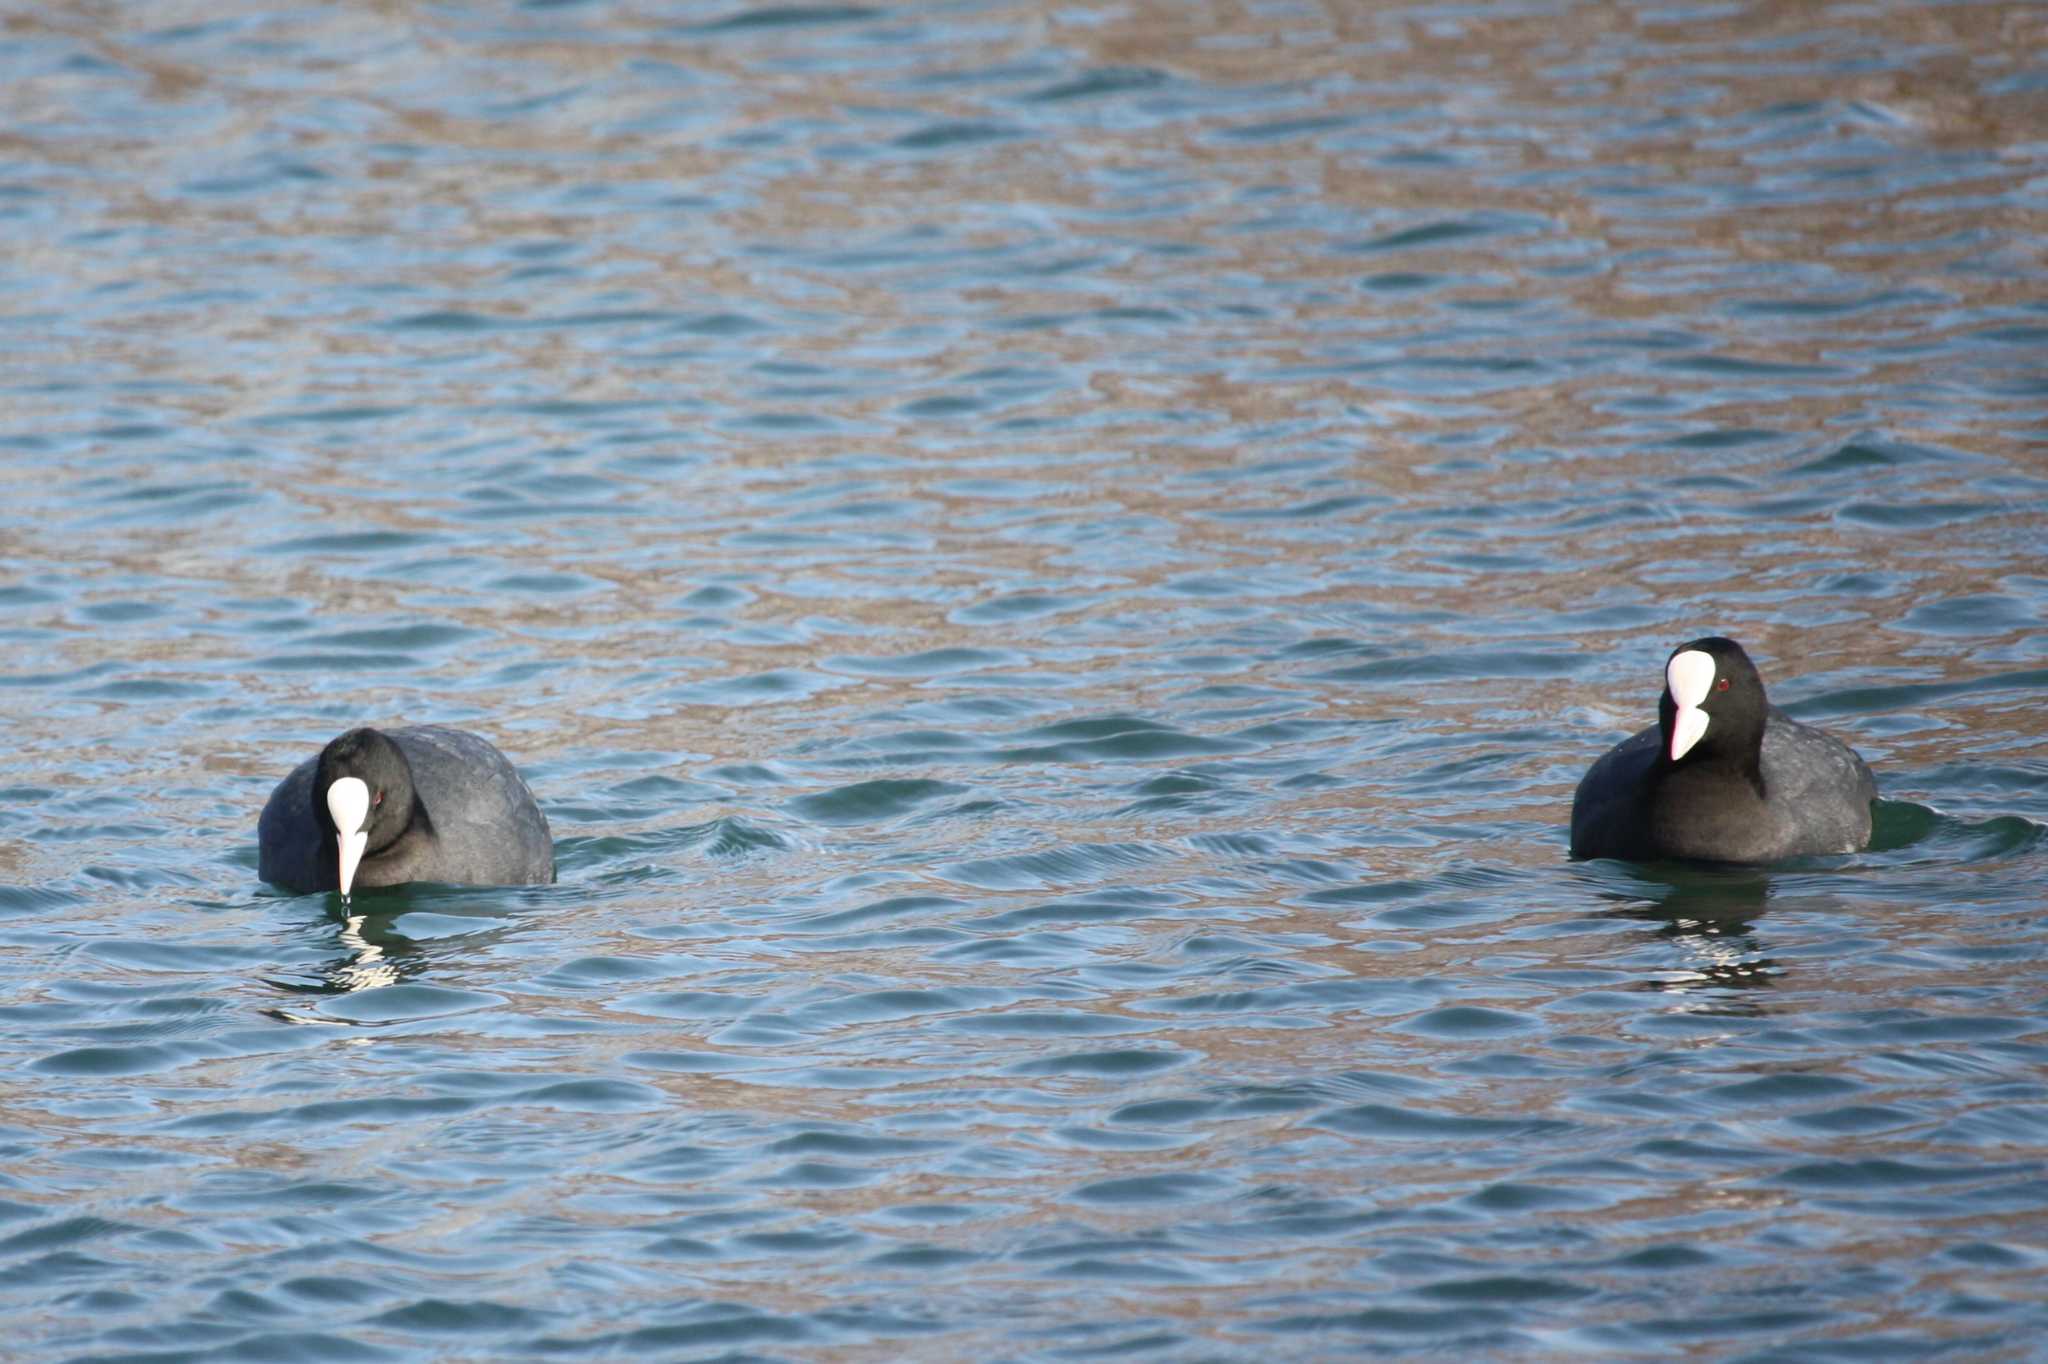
x=1754 y=786
x=447 y=806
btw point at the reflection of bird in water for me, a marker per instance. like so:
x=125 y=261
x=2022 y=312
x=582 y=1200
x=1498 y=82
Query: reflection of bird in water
x=1719 y=964
x=1712 y=899
x=374 y=955
x=1710 y=913
x=458 y=923
x=369 y=968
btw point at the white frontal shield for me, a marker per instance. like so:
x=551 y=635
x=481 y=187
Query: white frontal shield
x=1689 y=676
x=348 y=800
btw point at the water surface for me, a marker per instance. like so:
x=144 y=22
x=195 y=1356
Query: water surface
x=1053 y=569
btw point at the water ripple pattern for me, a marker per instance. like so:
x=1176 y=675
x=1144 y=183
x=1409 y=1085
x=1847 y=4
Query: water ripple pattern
x=1054 y=569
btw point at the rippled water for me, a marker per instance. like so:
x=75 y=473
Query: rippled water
x=1053 y=569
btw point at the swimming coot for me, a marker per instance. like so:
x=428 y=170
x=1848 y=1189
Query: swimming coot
x=383 y=807
x=1723 y=776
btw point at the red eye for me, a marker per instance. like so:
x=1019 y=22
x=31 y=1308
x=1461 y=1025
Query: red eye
x=1722 y=685
x=378 y=799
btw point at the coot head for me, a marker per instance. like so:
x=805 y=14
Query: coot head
x=363 y=791
x=1713 y=708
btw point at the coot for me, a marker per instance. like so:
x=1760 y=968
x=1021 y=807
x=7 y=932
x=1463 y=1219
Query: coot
x=383 y=807
x=1723 y=776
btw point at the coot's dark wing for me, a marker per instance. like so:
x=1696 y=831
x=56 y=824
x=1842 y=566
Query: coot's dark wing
x=1817 y=787
x=1610 y=810
x=288 y=840
x=488 y=830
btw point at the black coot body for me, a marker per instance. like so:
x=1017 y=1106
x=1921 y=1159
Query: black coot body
x=440 y=805
x=1749 y=783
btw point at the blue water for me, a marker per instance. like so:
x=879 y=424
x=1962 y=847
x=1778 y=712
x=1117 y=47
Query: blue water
x=1053 y=569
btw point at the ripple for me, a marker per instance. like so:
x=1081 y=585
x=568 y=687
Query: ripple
x=1401 y=1124
x=1118 y=1062
x=870 y=801
x=399 y=1003
x=1113 y=739
x=353 y=542
x=395 y=638
x=930 y=663
x=439 y=1316
x=780 y=685
x=1458 y=664
x=1167 y=1188
x=1465 y=1020
x=1019 y=606
x=130 y=1060
x=786 y=16
x=1505 y=1288
x=1052 y=867
x=1975 y=614
x=1041 y=1023
x=1446 y=231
